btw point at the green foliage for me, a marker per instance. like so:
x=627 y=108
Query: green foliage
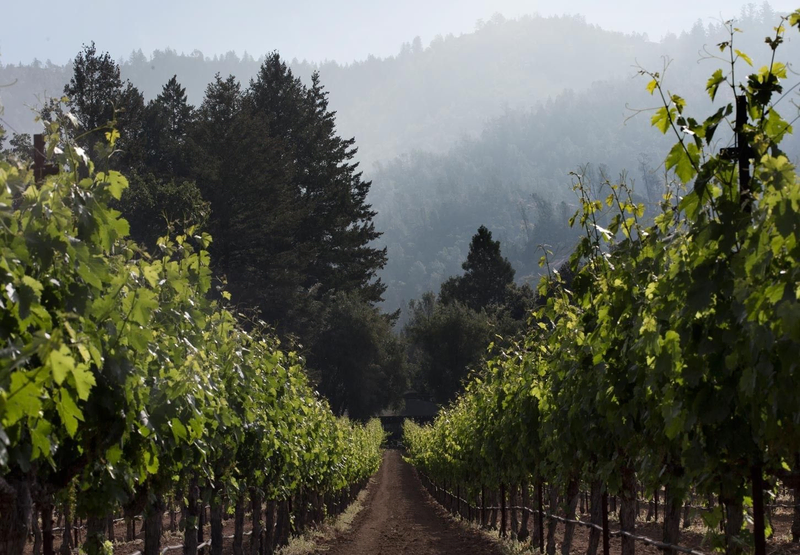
x=120 y=374
x=450 y=336
x=155 y=206
x=359 y=362
x=448 y=340
x=264 y=171
x=672 y=351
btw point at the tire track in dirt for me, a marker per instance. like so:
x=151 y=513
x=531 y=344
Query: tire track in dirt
x=401 y=518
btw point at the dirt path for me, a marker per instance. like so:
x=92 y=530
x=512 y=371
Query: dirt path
x=401 y=518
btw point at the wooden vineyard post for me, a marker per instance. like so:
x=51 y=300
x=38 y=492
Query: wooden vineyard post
x=503 y=510
x=483 y=505
x=541 y=517
x=40 y=169
x=746 y=195
x=656 y=507
x=758 y=510
x=604 y=510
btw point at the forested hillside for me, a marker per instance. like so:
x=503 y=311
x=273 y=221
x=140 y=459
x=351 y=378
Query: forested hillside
x=476 y=129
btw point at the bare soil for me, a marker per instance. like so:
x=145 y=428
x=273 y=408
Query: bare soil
x=401 y=518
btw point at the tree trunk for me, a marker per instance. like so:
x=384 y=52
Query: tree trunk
x=596 y=517
x=672 y=517
x=110 y=528
x=733 y=526
x=687 y=510
x=153 y=518
x=191 y=519
x=627 y=513
x=503 y=510
x=238 y=527
x=37 y=533
x=47 y=526
x=172 y=520
x=269 y=524
x=796 y=513
x=255 y=539
x=130 y=532
x=66 y=536
x=655 y=495
x=282 y=525
x=573 y=489
x=493 y=511
x=512 y=503
x=15 y=514
x=201 y=524
x=483 y=506
x=540 y=515
x=552 y=524
x=95 y=535
x=523 y=533
x=216 y=524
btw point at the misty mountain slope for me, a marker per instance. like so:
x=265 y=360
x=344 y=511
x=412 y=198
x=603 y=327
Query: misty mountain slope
x=515 y=177
x=426 y=98
x=431 y=96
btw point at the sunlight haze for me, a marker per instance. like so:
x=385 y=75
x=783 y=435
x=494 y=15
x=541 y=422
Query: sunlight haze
x=308 y=29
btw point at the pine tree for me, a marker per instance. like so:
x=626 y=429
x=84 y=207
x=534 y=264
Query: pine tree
x=336 y=230
x=244 y=174
x=487 y=275
x=169 y=118
x=95 y=88
x=100 y=100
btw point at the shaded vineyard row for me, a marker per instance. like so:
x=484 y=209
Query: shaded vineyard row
x=665 y=352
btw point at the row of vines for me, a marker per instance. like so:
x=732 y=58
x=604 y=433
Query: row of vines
x=125 y=381
x=666 y=352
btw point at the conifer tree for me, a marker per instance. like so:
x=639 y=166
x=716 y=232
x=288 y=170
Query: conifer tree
x=487 y=275
x=335 y=230
x=168 y=121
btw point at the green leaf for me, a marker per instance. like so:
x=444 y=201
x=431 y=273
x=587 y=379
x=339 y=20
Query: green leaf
x=679 y=102
x=114 y=455
x=151 y=462
x=774 y=292
x=40 y=438
x=84 y=380
x=662 y=119
x=69 y=412
x=179 y=431
x=684 y=160
x=117 y=183
x=744 y=56
x=714 y=82
x=22 y=399
x=150 y=273
x=651 y=86
x=61 y=363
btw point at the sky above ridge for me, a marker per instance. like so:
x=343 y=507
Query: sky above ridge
x=315 y=30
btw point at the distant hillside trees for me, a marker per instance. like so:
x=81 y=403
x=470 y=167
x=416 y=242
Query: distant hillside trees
x=449 y=335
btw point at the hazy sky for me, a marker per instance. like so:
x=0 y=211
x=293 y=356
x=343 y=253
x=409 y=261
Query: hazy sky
x=312 y=29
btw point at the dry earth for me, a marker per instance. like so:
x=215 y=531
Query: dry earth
x=401 y=518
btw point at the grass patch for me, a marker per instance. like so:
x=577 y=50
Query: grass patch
x=310 y=540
